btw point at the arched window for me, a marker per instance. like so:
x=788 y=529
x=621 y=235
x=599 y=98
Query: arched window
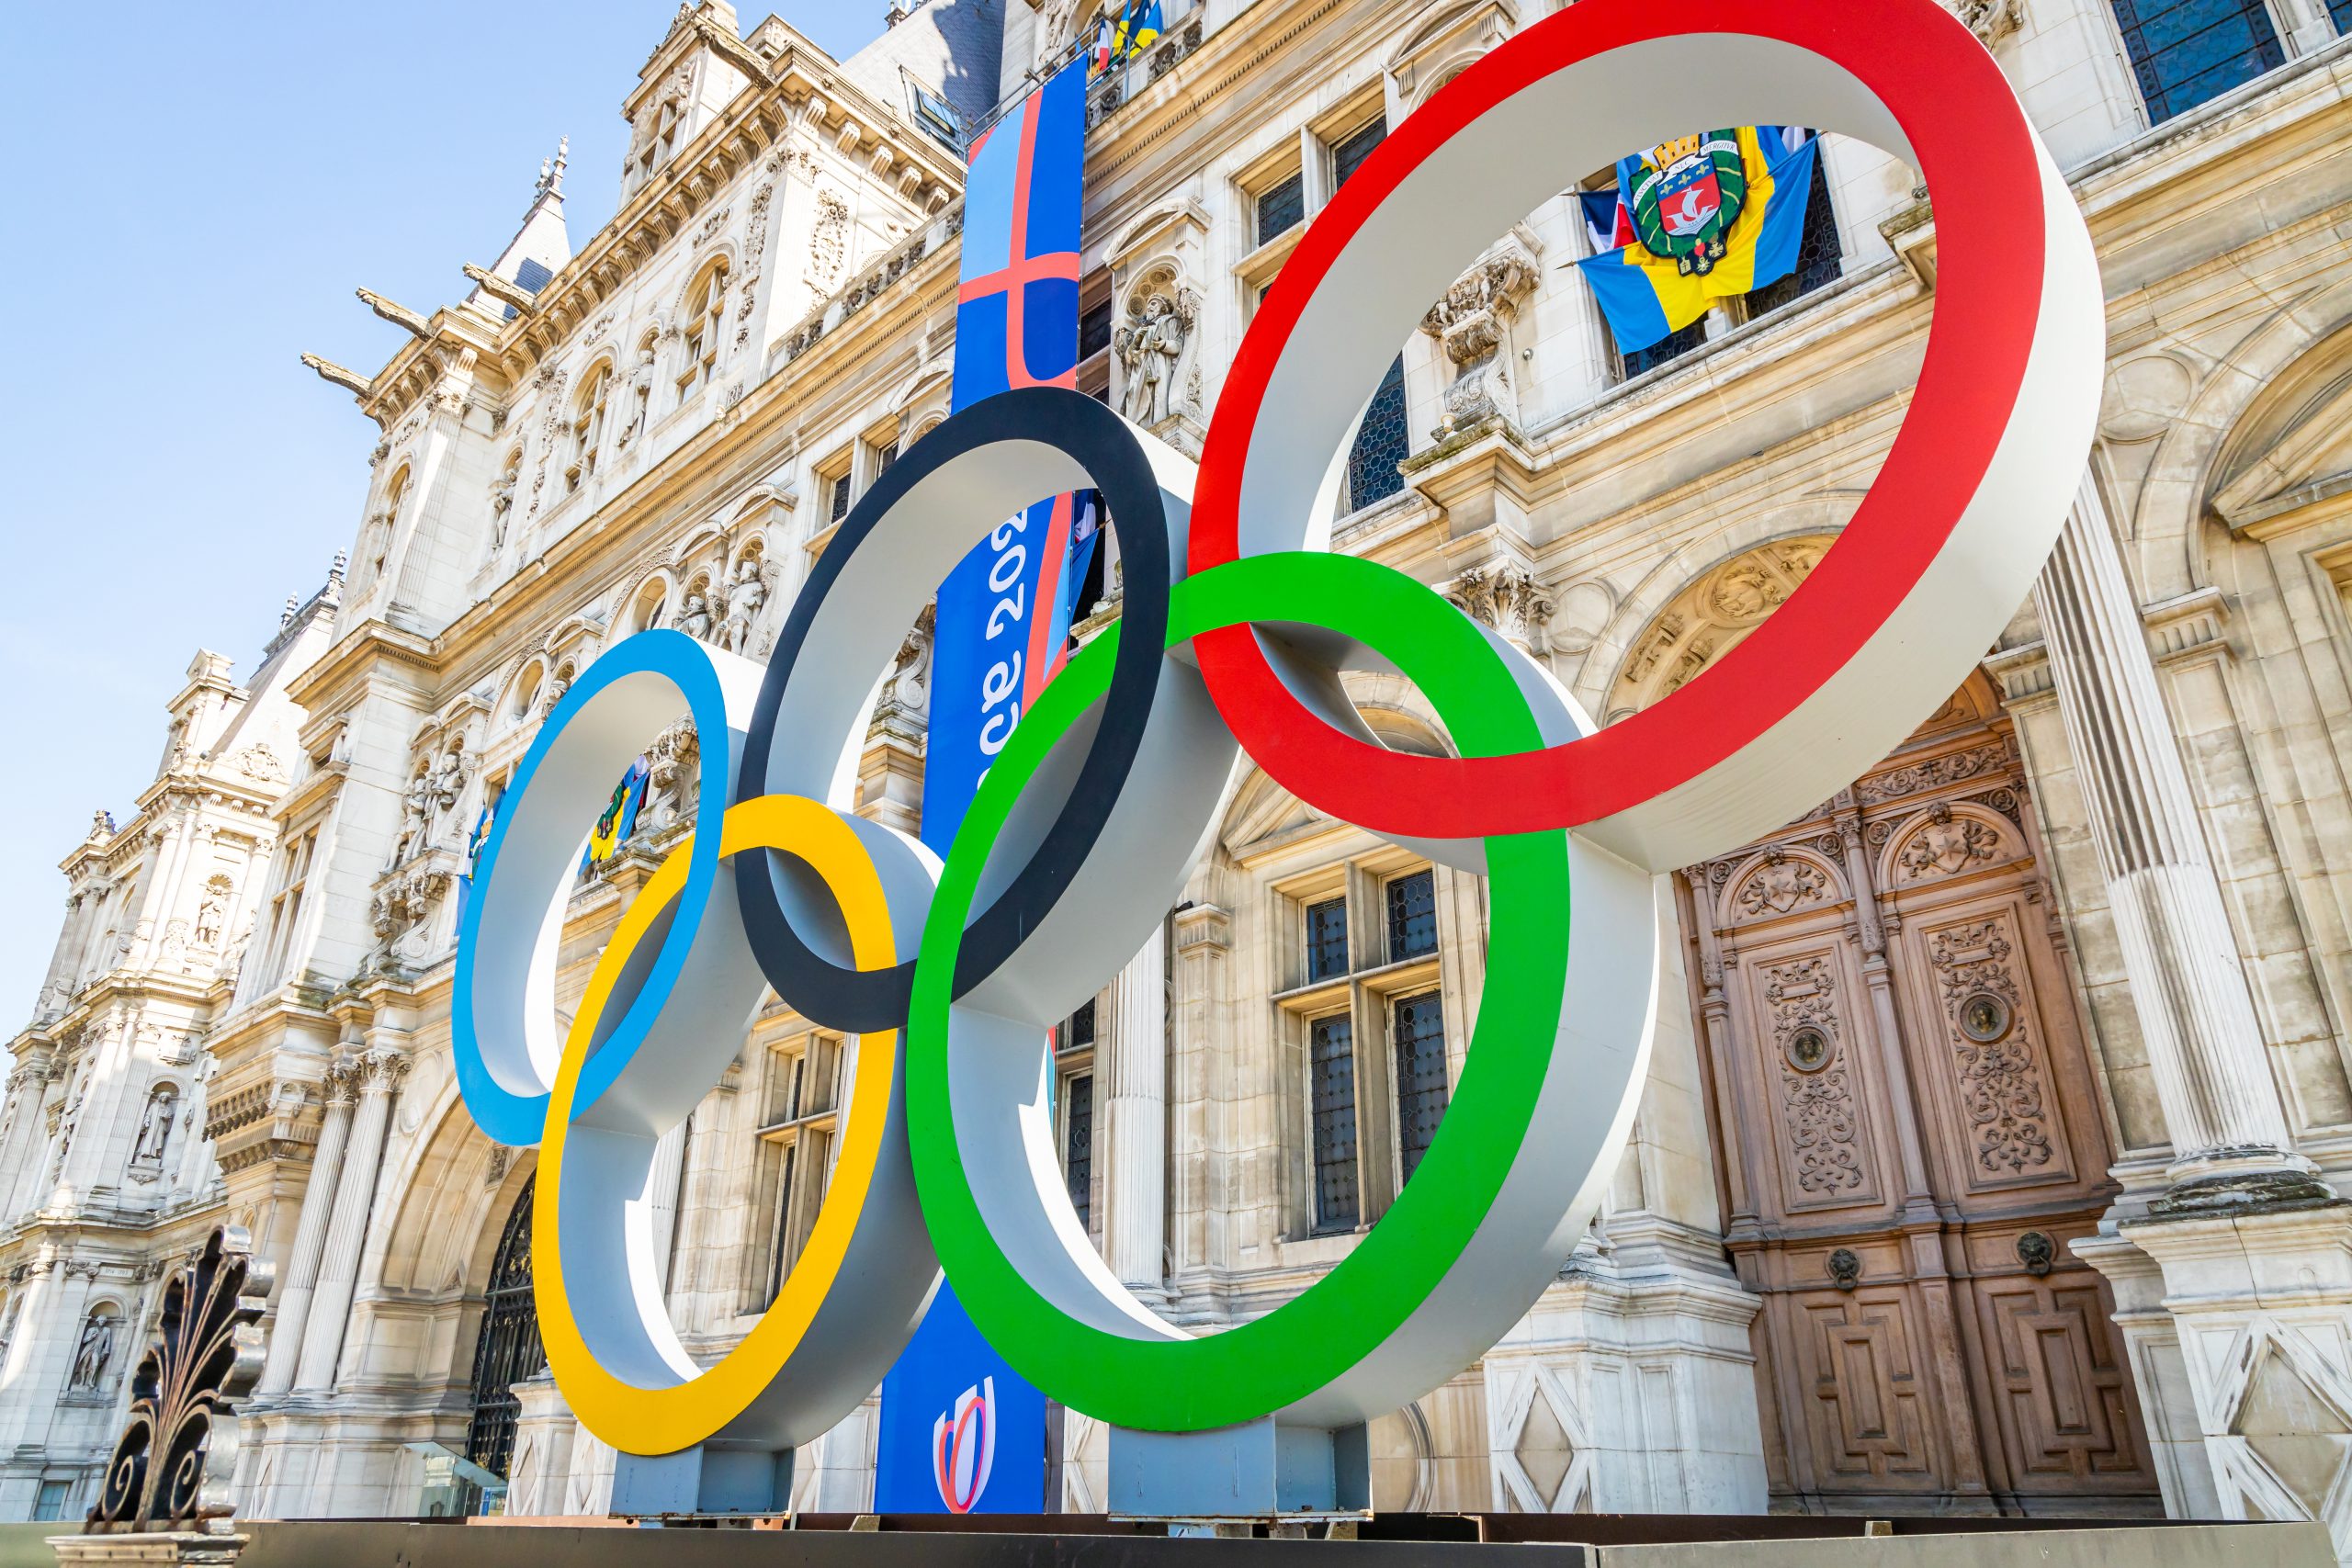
x=526 y=692
x=588 y=424
x=506 y=1348
x=645 y=611
x=706 y=312
x=662 y=140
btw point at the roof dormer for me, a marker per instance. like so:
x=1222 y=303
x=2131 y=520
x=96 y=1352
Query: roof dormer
x=701 y=65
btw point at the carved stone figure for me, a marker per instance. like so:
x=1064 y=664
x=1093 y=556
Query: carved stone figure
x=694 y=615
x=213 y=911
x=156 y=1127
x=674 y=760
x=640 y=397
x=743 y=601
x=1148 y=347
x=1473 y=324
x=94 y=1355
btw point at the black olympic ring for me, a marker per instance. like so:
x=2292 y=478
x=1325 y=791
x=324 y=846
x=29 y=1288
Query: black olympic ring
x=952 y=462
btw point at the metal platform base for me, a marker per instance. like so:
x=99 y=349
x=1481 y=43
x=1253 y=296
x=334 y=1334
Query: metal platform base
x=1424 y=1540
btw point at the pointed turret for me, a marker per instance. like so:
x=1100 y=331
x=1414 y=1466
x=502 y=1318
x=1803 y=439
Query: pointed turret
x=541 y=245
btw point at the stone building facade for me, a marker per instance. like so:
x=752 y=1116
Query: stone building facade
x=1994 y=1156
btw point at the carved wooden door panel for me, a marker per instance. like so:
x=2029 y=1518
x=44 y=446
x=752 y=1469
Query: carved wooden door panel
x=1910 y=1135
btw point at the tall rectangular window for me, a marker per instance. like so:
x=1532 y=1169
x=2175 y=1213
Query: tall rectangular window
x=1078 y=1146
x=2341 y=10
x=1326 y=939
x=1382 y=443
x=1281 y=207
x=1819 y=260
x=799 y=1117
x=51 y=1503
x=837 y=497
x=1332 y=1078
x=2186 y=52
x=1416 y=1025
x=1349 y=153
x=1412 y=917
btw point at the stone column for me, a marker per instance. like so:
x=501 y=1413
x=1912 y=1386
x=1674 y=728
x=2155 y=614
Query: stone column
x=311 y=1232
x=381 y=1072
x=2229 y=1133
x=1135 y=1076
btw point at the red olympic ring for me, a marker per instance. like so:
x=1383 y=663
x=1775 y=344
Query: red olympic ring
x=1752 y=735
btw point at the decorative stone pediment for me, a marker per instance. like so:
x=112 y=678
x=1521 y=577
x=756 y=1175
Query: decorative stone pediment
x=2306 y=457
x=1444 y=37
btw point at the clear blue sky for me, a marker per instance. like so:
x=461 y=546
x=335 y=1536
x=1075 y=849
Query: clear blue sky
x=194 y=193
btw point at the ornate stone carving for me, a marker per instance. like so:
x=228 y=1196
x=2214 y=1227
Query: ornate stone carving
x=674 y=760
x=829 y=242
x=907 y=689
x=1472 y=324
x=1505 y=596
x=755 y=247
x=1947 y=845
x=2000 y=1081
x=172 y=1466
x=1150 y=347
x=711 y=224
x=1781 y=884
x=258 y=762
x=1823 y=1123
x=745 y=596
x=402 y=911
x=1990 y=20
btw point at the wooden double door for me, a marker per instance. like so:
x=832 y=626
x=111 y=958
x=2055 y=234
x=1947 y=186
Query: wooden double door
x=1908 y=1135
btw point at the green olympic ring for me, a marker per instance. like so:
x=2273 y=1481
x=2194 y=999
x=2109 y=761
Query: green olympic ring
x=1261 y=1365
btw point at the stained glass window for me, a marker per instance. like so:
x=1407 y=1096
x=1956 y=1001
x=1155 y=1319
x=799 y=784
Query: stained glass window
x=1281 y=208
x=1382 y=443
x=1665 y=349
x=2185 y=52
x=1326 y=939
x=1412 y=917
x=1077 y=1150
x=1818 y=259
x=1333 y=1072
x=1349 y=153
x=1418 y=1026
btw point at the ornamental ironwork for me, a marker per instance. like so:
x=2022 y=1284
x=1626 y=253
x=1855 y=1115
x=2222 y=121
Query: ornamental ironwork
x=171 y=1467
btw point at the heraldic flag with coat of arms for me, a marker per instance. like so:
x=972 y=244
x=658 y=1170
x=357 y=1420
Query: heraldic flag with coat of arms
x=1707 y=217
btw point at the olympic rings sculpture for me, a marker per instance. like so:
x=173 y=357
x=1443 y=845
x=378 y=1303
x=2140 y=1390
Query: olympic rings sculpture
x=1237 y=630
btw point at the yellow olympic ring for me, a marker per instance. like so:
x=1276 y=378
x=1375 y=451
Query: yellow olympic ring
x=660 y=1420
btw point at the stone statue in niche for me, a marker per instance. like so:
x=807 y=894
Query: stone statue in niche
x=156 y=1127
x=417 y=806
x=744 y=597
x=213 y=911
x=93 y=1355
x=640 y=397
x=694 y=613
x=1148 y=347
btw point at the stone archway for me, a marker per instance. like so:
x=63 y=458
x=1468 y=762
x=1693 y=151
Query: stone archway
x=1907 y=1129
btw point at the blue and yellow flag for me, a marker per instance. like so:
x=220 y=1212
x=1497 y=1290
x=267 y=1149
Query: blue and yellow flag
x=1714 y=216
x=1139 y=29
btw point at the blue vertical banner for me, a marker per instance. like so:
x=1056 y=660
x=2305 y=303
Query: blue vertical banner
x=962 y=1432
